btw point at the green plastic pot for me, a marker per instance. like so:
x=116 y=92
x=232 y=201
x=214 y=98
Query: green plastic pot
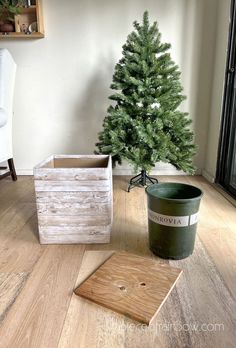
x=172 y=219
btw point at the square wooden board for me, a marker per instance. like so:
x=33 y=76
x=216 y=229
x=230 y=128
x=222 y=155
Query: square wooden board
x=132 y=285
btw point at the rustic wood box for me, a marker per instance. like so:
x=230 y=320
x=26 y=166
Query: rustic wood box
x=74 y=199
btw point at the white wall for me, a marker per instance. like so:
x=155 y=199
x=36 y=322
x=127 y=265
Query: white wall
x=62 y=84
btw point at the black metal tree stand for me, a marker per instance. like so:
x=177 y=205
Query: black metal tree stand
x=142 y=179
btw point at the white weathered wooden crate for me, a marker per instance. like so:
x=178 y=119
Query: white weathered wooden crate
x=74 y=199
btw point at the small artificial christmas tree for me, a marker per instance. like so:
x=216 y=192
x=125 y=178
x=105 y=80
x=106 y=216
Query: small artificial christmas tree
x=145 y=126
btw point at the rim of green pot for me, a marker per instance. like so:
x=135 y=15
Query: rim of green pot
x=166 y=185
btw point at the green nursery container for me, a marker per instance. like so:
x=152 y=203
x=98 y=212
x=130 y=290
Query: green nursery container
x=172 y=219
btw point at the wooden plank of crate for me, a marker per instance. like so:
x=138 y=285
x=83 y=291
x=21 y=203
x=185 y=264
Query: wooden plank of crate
x=70 y=174
x=87 y=162
x=57 y=238
x=99 y=185
x=79 y=230
x=48 y=163
x=81 y=156
x=74 y=221
x=78 y=209
x=73 y=197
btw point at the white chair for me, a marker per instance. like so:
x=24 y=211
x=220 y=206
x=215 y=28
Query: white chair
x=7 y=81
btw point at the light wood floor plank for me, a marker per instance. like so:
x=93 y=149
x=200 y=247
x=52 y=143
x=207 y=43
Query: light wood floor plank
x=21 y=190
x=37 y=317
x=19 y=247
x=89 y=330
x=206 y=300
x=10 y=286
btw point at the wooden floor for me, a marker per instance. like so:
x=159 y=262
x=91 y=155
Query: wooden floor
x=37 y=304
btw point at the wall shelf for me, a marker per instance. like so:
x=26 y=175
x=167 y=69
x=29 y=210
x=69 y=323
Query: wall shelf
x=15 y=35
x=23 y=30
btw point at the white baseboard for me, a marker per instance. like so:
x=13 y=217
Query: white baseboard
x=24 y=171
x=160 y=169
x=121 y=171
x=154 y=172
x=208 y=176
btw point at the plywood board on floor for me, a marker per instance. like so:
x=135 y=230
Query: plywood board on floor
x=131 y=285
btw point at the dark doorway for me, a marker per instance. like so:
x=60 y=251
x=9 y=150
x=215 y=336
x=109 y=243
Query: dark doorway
x=226 y=166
